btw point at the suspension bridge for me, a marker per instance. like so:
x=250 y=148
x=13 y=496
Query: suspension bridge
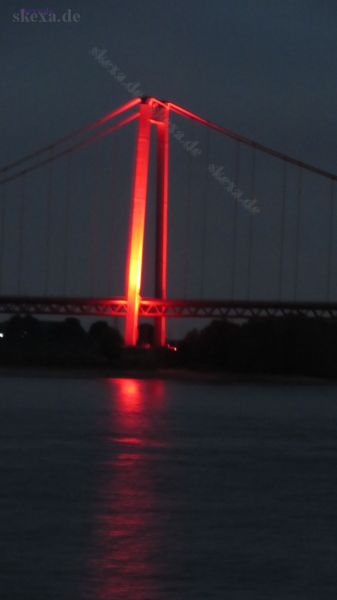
x=178 y=218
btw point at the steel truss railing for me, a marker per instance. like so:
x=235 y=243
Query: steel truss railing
x=170 y=308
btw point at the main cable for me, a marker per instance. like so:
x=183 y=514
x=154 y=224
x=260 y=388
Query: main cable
x=249 y=142
x=74 y=133
x=73 y=148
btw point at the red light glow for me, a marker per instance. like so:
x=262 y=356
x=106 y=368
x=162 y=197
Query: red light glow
x=137 y=225
x=172 y=348
x=137 y=218
x=162 y=221
x=128 y=393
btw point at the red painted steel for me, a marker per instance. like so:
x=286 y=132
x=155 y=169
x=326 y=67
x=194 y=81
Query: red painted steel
x=172 y=308
x=162 y=220
x=137 y=224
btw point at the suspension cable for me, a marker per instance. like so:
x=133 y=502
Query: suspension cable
x=298 y=232
x=48 y=221
x=76 y=132
x=249 y=142
x=236 y=175
x=3 y=212
x=205 y=215
x=330 y=239
x=95 y=203
x=68 y=199
x=112 y=237
x=21 y=233
x=283 y=226
x=73 y=148
x=187 y=226
x=251 y=225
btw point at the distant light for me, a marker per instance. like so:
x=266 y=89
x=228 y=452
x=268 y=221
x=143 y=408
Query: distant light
x=172 y=348
x=2 y=335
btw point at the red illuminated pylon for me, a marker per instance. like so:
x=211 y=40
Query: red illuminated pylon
x=162 y=218
x=156 y=113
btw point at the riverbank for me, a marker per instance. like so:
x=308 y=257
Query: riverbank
x=182 y=375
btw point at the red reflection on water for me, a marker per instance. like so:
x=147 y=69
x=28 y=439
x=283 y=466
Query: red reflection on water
x=135 y=392
x=127 y=532
x=128 y=392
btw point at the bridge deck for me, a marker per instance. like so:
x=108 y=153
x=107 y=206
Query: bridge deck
x=170 y=308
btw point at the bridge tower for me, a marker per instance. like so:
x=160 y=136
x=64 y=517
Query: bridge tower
x=156 y=113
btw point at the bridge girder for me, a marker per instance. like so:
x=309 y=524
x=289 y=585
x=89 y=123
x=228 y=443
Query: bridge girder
x=169 y=308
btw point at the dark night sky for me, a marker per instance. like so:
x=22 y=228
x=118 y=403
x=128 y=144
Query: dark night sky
x=265 y=68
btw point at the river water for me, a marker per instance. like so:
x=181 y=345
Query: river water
x=124 y=489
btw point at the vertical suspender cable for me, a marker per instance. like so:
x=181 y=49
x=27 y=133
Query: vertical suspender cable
x=187 y=227
x=66 y=224
x=95 y=196
x=251 y=226
x=2 y=233
x=235 y=219
x=330 y=239
x=298 y=232
x=22 y=208
x=205 y=215
x=112 y=237
x=48 y=222
x=283 y=228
